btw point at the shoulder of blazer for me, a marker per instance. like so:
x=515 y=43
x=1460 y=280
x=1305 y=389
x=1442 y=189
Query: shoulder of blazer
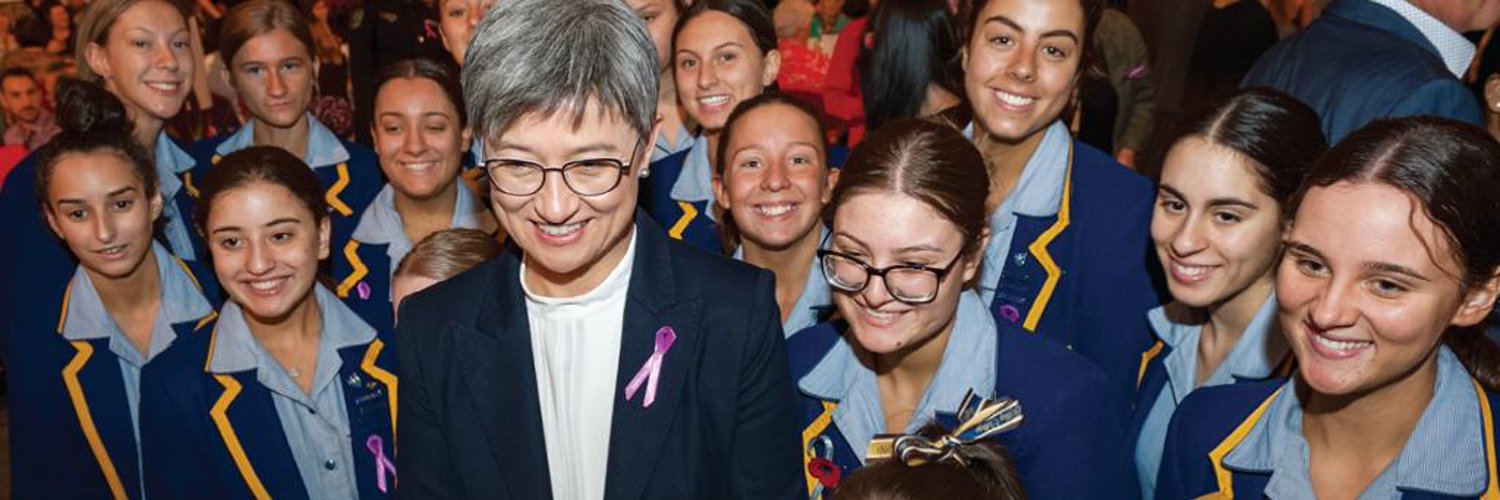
x=1103 y=187
x=1207 y=420
x=715 y=279
x=1036 y=369
x=458 y=299
x=182 y=361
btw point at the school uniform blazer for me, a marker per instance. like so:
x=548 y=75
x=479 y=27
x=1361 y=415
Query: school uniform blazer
x=34 y=262
x=71 y=432
x=207 y=435
x=1084 y=277
x=349 y=185
x=363 y=271
x=1070 y=444
x=687 y=221
x=1212 y=421
x=722 y=424
x=1154 y=380
x=1360 y=61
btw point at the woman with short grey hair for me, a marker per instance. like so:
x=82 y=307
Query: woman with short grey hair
x=600 y=359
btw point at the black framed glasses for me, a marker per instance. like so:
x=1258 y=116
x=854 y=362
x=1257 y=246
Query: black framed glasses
x=913 y=284
x=587 y=177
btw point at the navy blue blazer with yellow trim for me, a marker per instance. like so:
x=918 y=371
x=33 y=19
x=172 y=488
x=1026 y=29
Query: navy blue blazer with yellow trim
x=363 y=271
x=1069 y=446
x=1360 y=61
x=1085 y=276
x=71 y=434
x=33 y=260
x=350 y=185
x=685 y=221
x=207 y=435
x=1213 y=420
x=722 y=425
x=1153 y=380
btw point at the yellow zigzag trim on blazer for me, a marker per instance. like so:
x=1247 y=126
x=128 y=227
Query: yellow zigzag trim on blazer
x=1146 y=358
x=187 y=183
x=1492 y=490
x=813 y=429
x=385 y=377
x=1222 y=476
x=338 y=187
x=688 y=213
x=1039 y=249
x=219 y=413
x=351 y=252
x=86 y=418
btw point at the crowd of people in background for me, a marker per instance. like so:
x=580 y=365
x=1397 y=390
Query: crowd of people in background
x=854 y=249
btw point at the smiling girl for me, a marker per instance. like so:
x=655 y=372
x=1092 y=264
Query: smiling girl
x=1392 y=266
x=292 y=395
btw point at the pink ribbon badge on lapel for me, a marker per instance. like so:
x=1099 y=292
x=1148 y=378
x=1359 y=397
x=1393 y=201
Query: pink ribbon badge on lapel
x=382 y=463
x=651 y=371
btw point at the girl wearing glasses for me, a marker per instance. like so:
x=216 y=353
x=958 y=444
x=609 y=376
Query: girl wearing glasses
x=724 y=53
x=772 y=183
x=292 y=395
x=1068 y=256
x=908 y=231
x=268 y=46
x=1391 y=268
x=419 y=132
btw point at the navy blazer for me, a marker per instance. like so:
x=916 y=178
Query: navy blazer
x=1069 y=446
x=685 y=221
x=1359 y=62
x=364 y=282
x=722 y=426
x=71 y=434
x=1085 y=277
x=1153 y=381
x=1212 y=421
x=207 y=435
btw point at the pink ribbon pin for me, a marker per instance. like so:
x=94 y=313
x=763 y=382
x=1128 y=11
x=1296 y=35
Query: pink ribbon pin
x=651 y=371
x=382 y=463
x=364 y=290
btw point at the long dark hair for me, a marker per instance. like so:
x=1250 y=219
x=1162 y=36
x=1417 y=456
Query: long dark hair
x=92 y=120
x=1452 y=171
x=928 y=161
x=1280 y=135
x=915 y=46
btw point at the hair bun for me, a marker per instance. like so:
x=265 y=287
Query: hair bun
x=86 y=108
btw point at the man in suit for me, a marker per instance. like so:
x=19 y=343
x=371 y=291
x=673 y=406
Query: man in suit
x=598 y=359
x=1368 y=59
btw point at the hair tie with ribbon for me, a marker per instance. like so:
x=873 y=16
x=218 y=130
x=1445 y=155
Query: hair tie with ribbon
x=979 y=419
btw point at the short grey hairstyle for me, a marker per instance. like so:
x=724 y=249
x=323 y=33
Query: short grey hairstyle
x=550 y=56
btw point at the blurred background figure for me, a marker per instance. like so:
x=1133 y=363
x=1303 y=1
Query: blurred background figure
x=28 y=123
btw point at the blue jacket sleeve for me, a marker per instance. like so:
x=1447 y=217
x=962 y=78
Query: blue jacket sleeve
x=423 y=462
x=1444 y=98
x=767 y=458
x=1076 y=447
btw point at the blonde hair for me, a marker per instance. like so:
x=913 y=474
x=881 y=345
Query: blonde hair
x=94 y=23
x=445 y=254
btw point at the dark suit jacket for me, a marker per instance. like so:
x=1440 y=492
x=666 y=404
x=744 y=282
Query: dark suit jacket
x=723 y=424
x=1359 y=62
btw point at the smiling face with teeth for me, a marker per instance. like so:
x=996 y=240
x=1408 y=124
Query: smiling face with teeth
x=101 y=208
x=273 y=74
x=1367 y=289
x=775 y=182
x=418 y=137
x=1216 y=231
x=571 y=242
x=718 y=65
x=266 y=245
x=884 y=228
x=1021 y=64
x=145 y=61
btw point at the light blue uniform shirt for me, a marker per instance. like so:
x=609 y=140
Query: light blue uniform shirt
x=1445 y=453
x=172 y=161
x=316 y=424
x=323 y=147
x=181 y=301
x=381 y=224
x=695 y=182
x=968 y=364
x=815 y=296
x=1257 y=353
x=1038 y=193
x=665 y=148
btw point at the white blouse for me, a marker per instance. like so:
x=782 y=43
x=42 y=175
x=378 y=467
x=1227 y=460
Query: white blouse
x=575 y=347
